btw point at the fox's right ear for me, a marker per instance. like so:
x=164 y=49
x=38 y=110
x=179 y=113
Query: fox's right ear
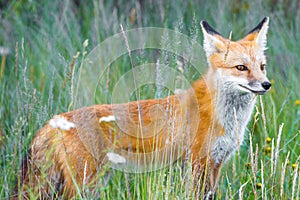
x=259 y=33
x=213 y=41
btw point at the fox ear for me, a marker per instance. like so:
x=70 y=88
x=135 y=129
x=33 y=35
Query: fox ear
x=259 y=33
x=213 y=41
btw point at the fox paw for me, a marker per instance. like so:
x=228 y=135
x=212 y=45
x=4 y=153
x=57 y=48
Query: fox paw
x=209 y=196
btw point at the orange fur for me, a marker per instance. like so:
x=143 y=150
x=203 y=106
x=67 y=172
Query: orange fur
x=67 y=154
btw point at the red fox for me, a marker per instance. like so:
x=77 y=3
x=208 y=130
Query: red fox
x=73 y=147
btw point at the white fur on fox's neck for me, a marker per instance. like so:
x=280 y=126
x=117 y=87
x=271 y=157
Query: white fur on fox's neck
x=233 y=109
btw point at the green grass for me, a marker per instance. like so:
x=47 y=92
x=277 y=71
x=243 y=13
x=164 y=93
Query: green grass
x=34 y=83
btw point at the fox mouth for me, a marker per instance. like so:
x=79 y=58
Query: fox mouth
x=260 y=92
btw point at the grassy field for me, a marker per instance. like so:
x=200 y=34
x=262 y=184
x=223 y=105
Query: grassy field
x=39 y=57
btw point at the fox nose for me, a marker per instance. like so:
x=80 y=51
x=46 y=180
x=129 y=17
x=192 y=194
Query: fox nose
x=266 y=85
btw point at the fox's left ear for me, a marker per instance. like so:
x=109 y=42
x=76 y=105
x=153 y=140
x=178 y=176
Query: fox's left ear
x=259 y=33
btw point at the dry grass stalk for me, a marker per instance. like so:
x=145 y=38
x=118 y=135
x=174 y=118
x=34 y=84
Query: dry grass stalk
x=127 y=182
x=237 y=131
x=107 y=79
x=296 y=174
x=283 y=174
x=2 y=66
x=229 y=186
x=254 y=165
x=71 y=67
x=42 y=88
x=84 y=175
x=1 y=137
x=263 y=114
x=276 y=153
x=228 y=46
x=255 y=168
x=17 y=57
x=272 y=166
x=241 y=190
x=31 y=76
x=33 y=100
x=134 y=80
x=262 y=179
x=126 y=40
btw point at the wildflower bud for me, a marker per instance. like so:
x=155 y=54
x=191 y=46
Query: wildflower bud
x=268 y=140
x=248 y=165
x=268 y=149
x=294 y=166
x=258 y=185
x=85 y=43
x=77 y=54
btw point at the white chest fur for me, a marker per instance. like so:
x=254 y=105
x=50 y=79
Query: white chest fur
x=233 y=112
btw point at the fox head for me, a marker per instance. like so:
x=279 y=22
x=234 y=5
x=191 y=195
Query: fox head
x=240 y=64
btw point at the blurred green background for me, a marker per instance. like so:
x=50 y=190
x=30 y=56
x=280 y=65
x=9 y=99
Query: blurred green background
x=38 y=42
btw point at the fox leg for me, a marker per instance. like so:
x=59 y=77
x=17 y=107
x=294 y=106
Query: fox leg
x=201 y=177
x=206 y=176
x=213 y=179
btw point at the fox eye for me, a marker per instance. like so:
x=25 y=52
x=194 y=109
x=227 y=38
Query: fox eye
x=262 y=67
x=241 y=67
